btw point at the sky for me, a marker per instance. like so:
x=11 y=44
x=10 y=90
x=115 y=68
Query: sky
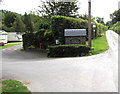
x=101 y=8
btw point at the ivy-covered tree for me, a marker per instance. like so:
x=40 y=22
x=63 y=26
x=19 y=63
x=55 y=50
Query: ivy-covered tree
x=59 y=8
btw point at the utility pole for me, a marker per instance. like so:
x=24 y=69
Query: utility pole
x=89 y=24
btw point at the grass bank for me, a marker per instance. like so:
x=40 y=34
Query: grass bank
x=100 y=45
x=10 y=44
x=13 y=87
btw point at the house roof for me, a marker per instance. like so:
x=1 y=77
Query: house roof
x=75 y=32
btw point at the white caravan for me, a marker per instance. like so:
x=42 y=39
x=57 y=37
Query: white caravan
x=3 y=36
x=14 y=36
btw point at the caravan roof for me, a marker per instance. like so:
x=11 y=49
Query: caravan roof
x=3 y=32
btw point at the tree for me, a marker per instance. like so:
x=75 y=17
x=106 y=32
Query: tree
x=19 y=26
x=59 y=8
x=28 y=23
x=84 y=16
x=100 y=20
x=36 y=19
x=109 y=24
x=9 y=19
x=115 y=16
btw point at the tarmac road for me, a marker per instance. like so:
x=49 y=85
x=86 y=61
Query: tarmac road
x=98 y=73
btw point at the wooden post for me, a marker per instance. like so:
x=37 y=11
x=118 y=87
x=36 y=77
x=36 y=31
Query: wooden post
x=89 y=24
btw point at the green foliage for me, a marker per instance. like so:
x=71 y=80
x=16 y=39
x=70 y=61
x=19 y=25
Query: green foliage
x=28 y=40
x=101 y=28
x=116 y=27
x=84 y=16
x=68 y=50
x=28 y=23
x=50 y=29
x=59 y=23
x=18 y=25
x=44 y=33
x=41 y=23
x=100 y=20
x=9 y=19
x=34 y=39
x=14 y=87
x=8 y=29
x=14 y=22
x=36 y=20
x=109 y=24
x=115 y=16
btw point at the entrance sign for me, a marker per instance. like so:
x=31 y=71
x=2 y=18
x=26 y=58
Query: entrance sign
x=75 y=36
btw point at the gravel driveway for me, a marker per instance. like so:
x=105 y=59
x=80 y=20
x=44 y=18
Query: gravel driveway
x=97 y=73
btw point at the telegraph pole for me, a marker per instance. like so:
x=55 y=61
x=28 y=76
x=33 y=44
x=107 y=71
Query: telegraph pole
x=89 y=24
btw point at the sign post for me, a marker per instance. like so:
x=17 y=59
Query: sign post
x=89 y=24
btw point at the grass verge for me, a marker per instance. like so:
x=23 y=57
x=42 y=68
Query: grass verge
x=10 y=44
x=13 y=87
x=100 y=45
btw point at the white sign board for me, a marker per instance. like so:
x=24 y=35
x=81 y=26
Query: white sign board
x=75 y=32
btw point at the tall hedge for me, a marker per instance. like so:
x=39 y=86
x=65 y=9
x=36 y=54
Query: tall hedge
x=59 y=23
x=100 y=28
x=116 y=27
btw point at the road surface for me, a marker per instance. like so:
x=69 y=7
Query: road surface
x=97 y=73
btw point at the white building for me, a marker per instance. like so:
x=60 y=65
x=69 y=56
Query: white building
x=14 y=36
x=3 y=36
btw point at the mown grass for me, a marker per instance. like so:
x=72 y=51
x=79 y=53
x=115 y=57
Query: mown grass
x=10 y=44
x=13 y=87
x=100 y=45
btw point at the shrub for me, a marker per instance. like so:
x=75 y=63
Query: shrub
x=28 y=40
x=33 y=40
x=68 y=50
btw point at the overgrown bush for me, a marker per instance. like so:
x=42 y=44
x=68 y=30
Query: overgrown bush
x=116 y=27
x=68 y=50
